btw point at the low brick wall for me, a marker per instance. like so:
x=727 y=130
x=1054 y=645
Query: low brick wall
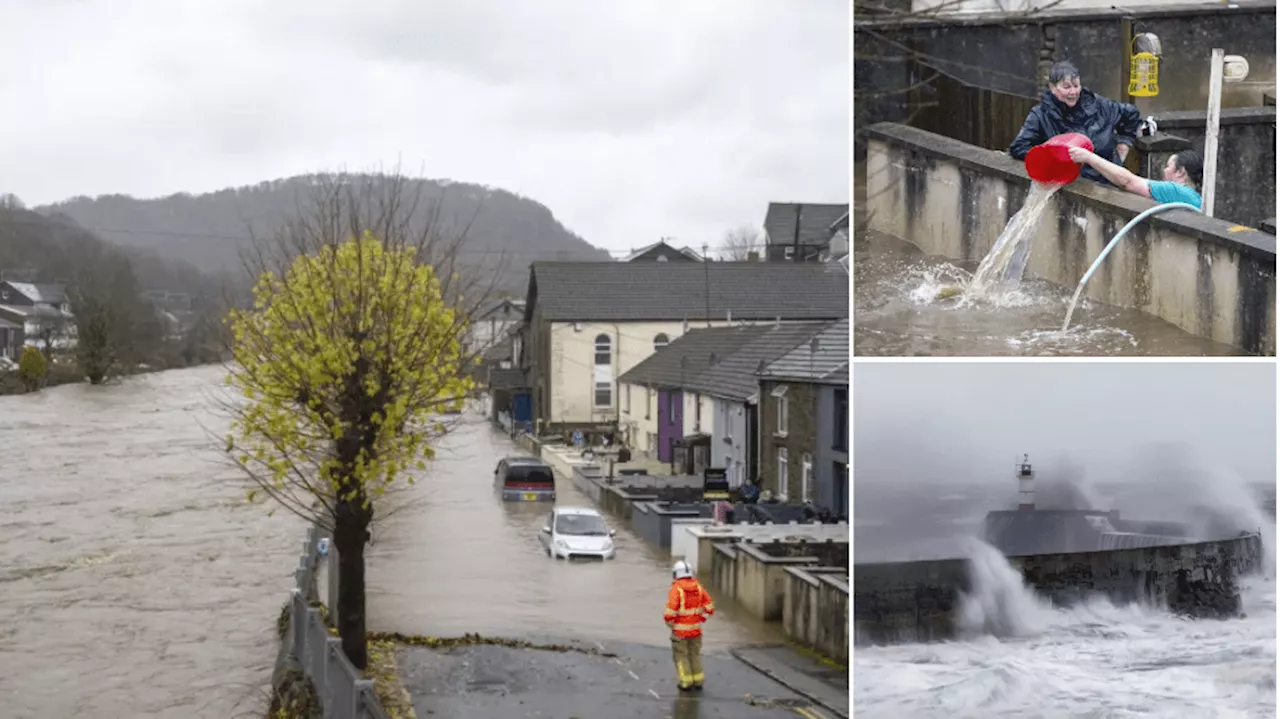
x=1209 y=277
x=755 y=574
x=916 y=601
x=815 y=611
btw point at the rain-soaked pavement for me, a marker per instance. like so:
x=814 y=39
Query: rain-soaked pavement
x=134 y=582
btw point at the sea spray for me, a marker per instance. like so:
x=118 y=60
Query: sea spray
x=1001 y=270
x=999 y=602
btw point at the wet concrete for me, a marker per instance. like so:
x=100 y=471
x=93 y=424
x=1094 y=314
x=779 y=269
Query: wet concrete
x=488 y=682
x=133 y=581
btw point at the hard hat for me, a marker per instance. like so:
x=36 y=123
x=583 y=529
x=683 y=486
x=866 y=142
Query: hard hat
x=681 y=570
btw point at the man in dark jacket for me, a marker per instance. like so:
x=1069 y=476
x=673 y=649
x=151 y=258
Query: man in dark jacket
x=1067 y=107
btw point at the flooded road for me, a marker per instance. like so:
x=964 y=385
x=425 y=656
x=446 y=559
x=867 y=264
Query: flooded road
x=455 y=559
x=896 y=314
x=133 y=582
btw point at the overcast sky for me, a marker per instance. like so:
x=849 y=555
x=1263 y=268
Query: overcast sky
x=631 y=120
x=964 y=423
x=934 y=444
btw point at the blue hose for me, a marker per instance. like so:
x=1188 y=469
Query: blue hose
x=1111 y=245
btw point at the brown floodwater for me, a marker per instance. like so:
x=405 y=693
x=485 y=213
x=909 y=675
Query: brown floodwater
x=897 y=313
x=134 y=582
x=454 y=559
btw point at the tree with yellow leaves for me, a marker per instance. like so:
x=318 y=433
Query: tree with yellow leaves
x=351 y=352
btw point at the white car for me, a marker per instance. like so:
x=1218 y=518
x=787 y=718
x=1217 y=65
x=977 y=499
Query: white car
x=577 y=533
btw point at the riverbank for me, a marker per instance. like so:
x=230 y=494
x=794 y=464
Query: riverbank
x=64 y=370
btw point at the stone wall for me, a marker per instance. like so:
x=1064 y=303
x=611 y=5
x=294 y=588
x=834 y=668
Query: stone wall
x=904 y=62
x=755 y=574
x=801 y=437
x=916 y=601
x=1207 y=276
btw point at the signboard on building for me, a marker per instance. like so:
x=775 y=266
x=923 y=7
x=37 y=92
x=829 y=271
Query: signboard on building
x=715 y=484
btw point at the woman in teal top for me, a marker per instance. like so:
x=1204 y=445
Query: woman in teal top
x=1182 y=175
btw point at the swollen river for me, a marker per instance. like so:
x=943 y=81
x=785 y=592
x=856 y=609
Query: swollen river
x=135 y=583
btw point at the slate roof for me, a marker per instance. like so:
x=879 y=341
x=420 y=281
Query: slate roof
x=824 y=359
x=815 y=222
x=665 y=291
x=739 y=351
x=50 y=294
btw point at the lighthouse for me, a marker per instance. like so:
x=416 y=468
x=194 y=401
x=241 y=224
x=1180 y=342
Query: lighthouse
x=1026 y=486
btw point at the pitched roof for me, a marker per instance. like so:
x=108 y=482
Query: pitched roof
x=788 y=223
x=823 y=359
x=647 y=248
x=665 y=291
x=739 y=352
x=51 y=294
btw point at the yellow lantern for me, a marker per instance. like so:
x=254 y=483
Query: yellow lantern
x=1144 y=67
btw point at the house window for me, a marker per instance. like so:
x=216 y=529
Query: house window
x=789 y=253
x=604 y=350
x=725 y=420
x=660 y=340
x=653 y=443
x=782 y=472
x=784 y=409
x=603 y=371
x=697 y=412
x=671 y=407
x=648 y=403
x=806 y=478
x=604 y=394
x=840 y=441
x=626 y=398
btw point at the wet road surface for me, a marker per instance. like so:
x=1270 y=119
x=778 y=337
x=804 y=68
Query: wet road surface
x=487 y=682
x=133 y=582
x=455 y=559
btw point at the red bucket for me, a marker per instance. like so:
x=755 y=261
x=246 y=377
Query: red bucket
x=1051 y=164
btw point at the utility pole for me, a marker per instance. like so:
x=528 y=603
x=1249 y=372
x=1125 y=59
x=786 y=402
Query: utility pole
x=706 y=281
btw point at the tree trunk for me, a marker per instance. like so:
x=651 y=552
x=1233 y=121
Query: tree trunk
x=349 y=535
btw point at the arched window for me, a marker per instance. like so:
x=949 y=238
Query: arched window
x=662 y=258
x=603 y=374
x=604 y=350
x=660 y=340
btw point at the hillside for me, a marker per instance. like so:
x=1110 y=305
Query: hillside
x=40 y=248
x=209 y=230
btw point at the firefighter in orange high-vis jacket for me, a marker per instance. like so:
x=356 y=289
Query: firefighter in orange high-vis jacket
x=688 y=606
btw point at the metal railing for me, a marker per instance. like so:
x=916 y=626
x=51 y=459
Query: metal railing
x=343 y=694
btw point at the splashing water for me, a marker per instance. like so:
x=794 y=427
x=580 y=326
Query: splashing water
x=1001 y=270
x=999 y=602
x=1093 y=659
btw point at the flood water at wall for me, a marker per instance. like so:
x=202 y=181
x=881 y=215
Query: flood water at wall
x=906 y=303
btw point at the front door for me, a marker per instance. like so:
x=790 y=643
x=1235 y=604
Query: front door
x=670 y=421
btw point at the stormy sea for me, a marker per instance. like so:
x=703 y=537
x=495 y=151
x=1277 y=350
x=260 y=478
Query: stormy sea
x=1018 y=656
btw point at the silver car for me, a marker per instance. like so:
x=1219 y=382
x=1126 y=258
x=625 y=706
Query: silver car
x=577 y=533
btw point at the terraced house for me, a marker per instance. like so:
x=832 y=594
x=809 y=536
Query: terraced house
x=804 y=415
x=588 y=323
x=707 y=393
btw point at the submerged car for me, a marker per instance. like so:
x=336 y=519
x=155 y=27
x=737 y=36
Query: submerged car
x=577 y=533
x=525 y=479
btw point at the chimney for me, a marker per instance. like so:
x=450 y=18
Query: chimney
x=753 y=256
x=1026 y=486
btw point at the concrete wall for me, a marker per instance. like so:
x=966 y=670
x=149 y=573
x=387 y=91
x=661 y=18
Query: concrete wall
x=755 y=574
x=729 y=439
x=1209 y=277
x=815 y=610
x=916 y=601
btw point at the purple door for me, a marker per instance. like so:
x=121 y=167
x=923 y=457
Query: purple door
x=670 y=421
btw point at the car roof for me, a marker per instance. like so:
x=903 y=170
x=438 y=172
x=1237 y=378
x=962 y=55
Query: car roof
x=577 y=510
x=521 y=459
